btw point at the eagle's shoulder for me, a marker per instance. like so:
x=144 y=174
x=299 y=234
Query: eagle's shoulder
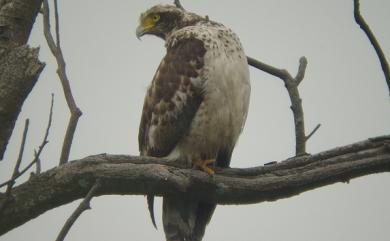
x=216 y=38
x=173 y=98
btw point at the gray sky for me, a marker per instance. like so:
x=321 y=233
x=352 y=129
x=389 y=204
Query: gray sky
x=109 y=69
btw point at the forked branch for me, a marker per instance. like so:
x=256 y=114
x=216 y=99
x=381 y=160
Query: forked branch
x=36 y=153
x=61 y=71
x=291 y=84
x=16 y=171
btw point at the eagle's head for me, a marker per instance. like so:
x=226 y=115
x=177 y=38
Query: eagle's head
x=161 y=20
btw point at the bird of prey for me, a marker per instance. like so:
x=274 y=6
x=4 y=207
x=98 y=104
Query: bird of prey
x=195 y=107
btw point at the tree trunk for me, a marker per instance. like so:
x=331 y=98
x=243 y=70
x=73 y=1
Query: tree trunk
x=19 y=64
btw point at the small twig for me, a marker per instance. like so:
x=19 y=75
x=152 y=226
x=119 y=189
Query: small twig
x=296 y=102
x=364 y=26
x=19 y=160
x=313 y=131
x=61 y=71
x=22 y=145
x=24 y=170
x=45 y=141
x=36 y=153
x=178 y=4
x=16 y=172
x=84 y=205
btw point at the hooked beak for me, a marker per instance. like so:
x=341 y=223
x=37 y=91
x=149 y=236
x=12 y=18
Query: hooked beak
x=140 y=32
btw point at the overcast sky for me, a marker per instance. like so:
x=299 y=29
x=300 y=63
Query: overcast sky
x=109 y=69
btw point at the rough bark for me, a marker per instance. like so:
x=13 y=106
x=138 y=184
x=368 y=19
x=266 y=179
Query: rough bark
x=19 y=64
x=19 y=71
x=121 y=174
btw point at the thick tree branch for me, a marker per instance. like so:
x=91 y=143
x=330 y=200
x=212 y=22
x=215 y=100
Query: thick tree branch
x=61 y=71
x=364 y=26
x=121 y=174
x=19 y=64
x=16 y=20
x=19 y=71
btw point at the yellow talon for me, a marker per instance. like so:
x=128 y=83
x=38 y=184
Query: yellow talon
x=202 y=164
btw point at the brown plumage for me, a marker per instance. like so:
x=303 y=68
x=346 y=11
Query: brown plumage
x=195 y=107
x=168 y=112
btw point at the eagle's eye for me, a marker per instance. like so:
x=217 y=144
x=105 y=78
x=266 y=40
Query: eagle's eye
x=155 y=18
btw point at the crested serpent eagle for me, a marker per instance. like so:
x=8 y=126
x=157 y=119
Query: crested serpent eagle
x=195 y=107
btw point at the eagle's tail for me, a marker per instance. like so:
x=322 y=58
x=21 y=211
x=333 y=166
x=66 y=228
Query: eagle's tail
x=185 y=220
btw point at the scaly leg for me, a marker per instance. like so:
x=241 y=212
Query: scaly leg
x=202 y=164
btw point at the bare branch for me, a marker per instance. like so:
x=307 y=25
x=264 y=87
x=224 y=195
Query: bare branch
x=282 y=74
x=45 y=141
x=313 y=131
x=84 y=205
x=301 y=70
x=136 y=175
x=20 y=157
x=22 y=145
x=364 y=26
x=296 y=102
x=15 y=173
x=68 y=139
x=57 y=23
x=36 y=153
x=61 y=71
